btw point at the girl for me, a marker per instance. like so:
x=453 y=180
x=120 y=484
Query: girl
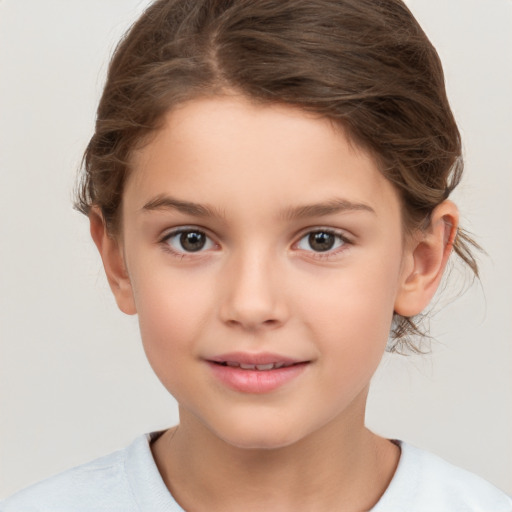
x=268 y=189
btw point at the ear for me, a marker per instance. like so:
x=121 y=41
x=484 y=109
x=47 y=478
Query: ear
x=111 y=252
x=425 y=260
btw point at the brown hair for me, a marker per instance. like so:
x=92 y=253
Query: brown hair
x=364 y=64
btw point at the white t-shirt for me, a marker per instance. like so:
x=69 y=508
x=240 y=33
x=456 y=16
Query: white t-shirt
x=128 y=481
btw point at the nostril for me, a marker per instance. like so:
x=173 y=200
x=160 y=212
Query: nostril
x=253 y=323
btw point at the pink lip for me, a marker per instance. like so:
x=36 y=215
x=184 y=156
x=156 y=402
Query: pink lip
x=255 y=381
x=256 y=358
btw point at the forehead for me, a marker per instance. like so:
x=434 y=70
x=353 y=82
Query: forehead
x=236 y=155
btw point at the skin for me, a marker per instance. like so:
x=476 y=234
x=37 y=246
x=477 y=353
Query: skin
x=260 y=285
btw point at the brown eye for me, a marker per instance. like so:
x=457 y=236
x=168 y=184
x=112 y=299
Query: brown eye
x=192 y=241
x=187 y=241
x=321 y=241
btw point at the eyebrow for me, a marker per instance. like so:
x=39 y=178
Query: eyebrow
x=187 y=207
x=332 y=206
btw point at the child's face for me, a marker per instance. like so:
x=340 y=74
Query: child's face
x=265 y=274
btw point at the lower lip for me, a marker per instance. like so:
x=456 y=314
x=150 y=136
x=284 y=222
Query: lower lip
x=256 y=381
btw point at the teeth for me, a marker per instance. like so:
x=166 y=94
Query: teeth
x=261 y=367
x=265 y=366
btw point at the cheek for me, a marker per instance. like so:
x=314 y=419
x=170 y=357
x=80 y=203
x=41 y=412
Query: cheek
x=172 y=311
x=350 y=325
x=355 y=307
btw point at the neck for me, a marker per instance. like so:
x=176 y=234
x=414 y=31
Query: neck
x=341 y=467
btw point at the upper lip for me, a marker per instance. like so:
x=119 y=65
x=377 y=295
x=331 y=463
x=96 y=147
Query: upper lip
x=255 y=358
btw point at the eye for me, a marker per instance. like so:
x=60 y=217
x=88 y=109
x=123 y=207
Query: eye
x=321 y=240
x=187 y=241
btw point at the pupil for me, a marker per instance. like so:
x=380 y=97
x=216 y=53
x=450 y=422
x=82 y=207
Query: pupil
x=321 y=241
x=192 y=241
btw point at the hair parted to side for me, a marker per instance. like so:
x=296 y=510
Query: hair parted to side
x=365 y=64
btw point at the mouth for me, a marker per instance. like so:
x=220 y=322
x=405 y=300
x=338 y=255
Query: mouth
x=260 y=367
x=256 y=373
x=263 y=361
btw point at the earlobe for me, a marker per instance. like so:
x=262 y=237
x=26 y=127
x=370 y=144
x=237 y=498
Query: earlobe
x=425 y=260
x=111 y=253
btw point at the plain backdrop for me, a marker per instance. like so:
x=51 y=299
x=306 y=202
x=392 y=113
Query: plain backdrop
x=74 y=382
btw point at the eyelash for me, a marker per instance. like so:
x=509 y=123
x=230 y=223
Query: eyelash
x=323 y=255
x=320 y=255
x=182 y=255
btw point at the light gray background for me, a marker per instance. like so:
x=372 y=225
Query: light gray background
x=74 y=382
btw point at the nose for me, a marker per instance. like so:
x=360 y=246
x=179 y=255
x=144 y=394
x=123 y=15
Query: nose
x=253 y=296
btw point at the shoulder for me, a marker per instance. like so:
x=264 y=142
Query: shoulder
x=424 y=482
x=93 y=486
x=124 y=481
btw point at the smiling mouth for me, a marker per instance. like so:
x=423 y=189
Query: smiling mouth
x=259 y=367
x=256 y=373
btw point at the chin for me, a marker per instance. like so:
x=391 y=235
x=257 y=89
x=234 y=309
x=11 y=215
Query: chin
x=259 y=436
